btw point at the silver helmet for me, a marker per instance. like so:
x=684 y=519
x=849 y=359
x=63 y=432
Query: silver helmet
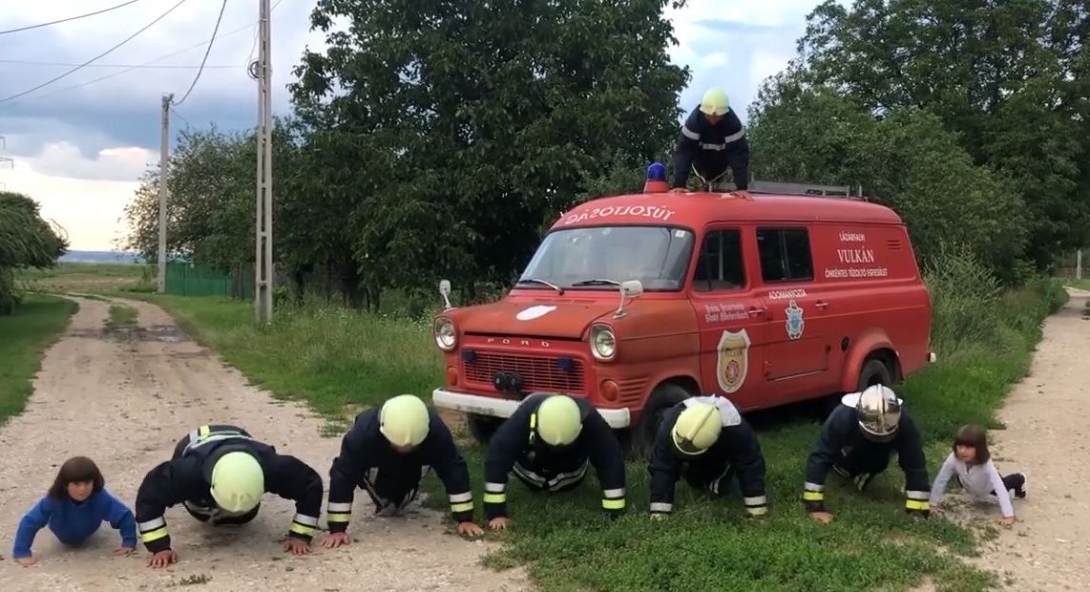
x=879 y=412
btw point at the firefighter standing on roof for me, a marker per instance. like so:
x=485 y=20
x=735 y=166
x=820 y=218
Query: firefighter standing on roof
x=549 y=442
x=219 y=472
x=386 y=453
x=857 y=441
x=711 y=140
x=706 y=440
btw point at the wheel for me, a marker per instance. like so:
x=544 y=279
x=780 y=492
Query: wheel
x=482 y=426
x=661 y=400
x=874 y=372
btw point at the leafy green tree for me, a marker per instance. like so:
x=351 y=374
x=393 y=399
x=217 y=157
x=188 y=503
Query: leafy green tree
x=479 y=123
x=26 y=241
x=1000 y=75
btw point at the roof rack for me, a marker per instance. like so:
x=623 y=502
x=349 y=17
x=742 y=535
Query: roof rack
x=775 y=187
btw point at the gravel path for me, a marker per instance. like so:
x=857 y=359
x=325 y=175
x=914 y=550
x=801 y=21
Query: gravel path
x=125 y=400
x=1047 y=438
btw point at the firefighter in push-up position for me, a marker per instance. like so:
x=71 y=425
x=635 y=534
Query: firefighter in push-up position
x=386 y=453
x=219 y=473
x=857 y=441
x=549 y=442
x=706 y=440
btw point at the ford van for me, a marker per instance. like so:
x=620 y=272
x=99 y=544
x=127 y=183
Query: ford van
x=635 y=302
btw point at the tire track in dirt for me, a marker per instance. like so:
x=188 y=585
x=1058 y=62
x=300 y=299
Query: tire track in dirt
x=1046 y=437
x=125 y=400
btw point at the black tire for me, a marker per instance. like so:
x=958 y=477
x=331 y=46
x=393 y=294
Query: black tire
x=874 y=372
x=481 y=427
x=661 y=400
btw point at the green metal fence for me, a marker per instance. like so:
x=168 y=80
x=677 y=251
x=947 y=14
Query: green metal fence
x=187 y=279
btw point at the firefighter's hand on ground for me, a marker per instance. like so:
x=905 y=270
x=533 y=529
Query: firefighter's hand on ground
x=679 y=190
x=336 y=539
x=163 y=558
x=658 y=516
x=742 y=193
x=499 y=523
x=470 y=529
x=297 y=546
x=821 y=517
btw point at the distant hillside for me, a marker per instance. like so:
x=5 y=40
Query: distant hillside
x=101 y=257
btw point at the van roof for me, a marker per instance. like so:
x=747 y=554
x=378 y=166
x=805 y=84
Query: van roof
x=697 y=209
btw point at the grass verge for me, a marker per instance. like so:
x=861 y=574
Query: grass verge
x=336 y=358
x=24 y=336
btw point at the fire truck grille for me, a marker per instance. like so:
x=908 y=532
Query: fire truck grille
x=539 y=373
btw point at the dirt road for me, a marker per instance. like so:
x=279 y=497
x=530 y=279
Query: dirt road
x=1047 y=438
x=125 y=401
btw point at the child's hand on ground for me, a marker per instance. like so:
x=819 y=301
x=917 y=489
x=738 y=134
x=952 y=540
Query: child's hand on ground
x=938 y=510
x=26 y=561
x=124 y=551
x=1006 y=521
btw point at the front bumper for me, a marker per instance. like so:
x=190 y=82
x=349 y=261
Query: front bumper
x=616 y=418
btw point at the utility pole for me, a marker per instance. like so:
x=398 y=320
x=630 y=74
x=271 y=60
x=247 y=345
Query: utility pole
x=263 y=254
x=5 y=159
x=164 y=165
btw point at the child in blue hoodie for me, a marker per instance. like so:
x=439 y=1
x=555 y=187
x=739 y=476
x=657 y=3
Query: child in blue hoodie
x=74 y=509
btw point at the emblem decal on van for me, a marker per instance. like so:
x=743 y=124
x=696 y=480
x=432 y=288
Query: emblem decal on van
x=534 y=312
x=733 y=360
x=794 y=322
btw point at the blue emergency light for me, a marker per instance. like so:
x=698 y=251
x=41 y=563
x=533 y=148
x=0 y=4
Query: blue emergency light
x=656 y=172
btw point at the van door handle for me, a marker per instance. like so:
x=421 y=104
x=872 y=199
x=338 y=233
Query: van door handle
x=756 y=312
x=821 y=304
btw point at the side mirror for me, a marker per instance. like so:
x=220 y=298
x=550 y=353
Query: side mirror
x=629 y=289
x=444 y=291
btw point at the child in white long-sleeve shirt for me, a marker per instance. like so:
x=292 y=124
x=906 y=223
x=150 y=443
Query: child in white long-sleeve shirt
x=972 y=463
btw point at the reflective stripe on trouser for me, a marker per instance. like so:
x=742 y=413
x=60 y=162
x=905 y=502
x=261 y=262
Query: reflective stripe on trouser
x=397 y=492
x=559 y=482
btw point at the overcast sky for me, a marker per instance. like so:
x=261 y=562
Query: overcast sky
x=80 y=143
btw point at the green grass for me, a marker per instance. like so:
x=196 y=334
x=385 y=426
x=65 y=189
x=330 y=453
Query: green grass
x=121 y=316
x=24 y=336
x=336 y=358
x=87 y=278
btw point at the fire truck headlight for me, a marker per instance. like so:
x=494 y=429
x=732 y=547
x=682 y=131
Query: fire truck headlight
x=445 y=336
x=603 y=342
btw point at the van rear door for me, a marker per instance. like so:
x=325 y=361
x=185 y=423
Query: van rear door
x=730 y=317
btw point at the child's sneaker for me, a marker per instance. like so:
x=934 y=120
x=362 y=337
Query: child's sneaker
x=1020 y=493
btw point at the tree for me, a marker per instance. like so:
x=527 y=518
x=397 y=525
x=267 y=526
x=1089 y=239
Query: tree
x=1002 y=76
x=26 y=241
x=481 y=121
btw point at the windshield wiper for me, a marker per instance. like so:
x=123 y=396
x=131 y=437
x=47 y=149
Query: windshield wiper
x=558 y=289
x=598 y=282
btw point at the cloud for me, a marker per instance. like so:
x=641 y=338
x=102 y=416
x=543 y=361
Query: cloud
x=80 y=143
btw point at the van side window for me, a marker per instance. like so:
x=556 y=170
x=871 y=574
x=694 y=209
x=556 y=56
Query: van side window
x=719 y=265
x=785 y=254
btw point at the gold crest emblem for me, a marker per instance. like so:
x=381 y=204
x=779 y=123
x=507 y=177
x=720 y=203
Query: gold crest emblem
x=733 y=361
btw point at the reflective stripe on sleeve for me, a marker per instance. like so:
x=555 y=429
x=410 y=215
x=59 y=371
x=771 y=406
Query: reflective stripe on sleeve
x=661 y=508
x=688 y=133
x=759 y=500
x=613 y=499
x=338 y=512
x=918 y=495
x=303 y=524
x=813 y=492
x=461 y=502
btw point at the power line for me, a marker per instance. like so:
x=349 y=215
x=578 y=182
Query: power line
x=130 y=66
x=207 y=51
x=103 y=54
x=147 y=63
x=71 y=18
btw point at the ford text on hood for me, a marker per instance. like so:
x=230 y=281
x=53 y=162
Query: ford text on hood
x=566 y=318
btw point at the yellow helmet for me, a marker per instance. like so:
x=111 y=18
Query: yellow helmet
x=715 y=102
x=559 y=420
x=404 y=420
x=237 y=482
x=697 y=428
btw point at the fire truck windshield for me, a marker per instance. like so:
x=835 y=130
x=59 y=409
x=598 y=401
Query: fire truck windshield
x=601 y=257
